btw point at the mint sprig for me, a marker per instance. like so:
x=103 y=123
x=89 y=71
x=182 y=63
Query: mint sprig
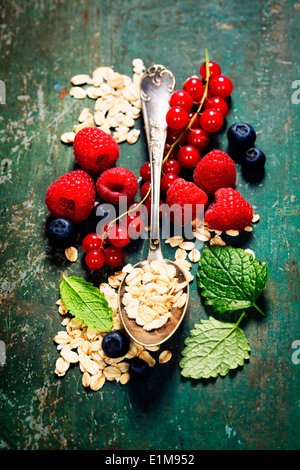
x=213 y=348
x=230 y=279
x=85 y=302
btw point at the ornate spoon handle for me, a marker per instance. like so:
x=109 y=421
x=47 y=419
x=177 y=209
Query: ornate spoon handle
x=157 y=85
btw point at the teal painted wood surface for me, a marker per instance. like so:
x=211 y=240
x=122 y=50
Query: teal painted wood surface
x=43 y=44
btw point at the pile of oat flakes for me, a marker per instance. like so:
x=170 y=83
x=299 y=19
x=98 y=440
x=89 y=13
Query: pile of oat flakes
x=117 y=102
x=151 y=292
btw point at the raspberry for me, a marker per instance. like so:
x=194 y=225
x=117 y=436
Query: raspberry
x=71 y=196
x=216 y=170
x=94 y=150
x=115 y=183
x=186 y=201
x=230 y=211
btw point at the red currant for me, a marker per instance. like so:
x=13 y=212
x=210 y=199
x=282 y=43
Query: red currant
x=167 y=180
x=218 y=103
x=188 y=156
x=181 y=98
x=167 y=149
x=91 y=242
x=173 y=134
x=211 y=120
x=214 y=70
x=195 y=88
x=171 y=166
x=198 y=138
x=220 y=86
x=135 y=225
x=94 y=259
x=145 y=188
x=114 y=256
x=177 y=117
x=145 y=171
x=104 y=235
x=119 y=236
x=136 y=209
x=196 y=122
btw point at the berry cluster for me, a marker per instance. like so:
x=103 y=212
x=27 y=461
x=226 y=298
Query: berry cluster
x=116 y=344
x=71 y=200
x=196 y=111
x=241 y=138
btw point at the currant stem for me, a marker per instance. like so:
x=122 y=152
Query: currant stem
x=196 y=113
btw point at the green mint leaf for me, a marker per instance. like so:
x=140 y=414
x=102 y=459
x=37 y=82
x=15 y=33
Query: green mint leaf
x=230 y=279
x=85 y=302
x=213 y=348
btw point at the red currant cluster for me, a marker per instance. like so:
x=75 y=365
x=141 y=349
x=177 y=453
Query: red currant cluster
x=189 y=128
x=196 y=110
x=106 y=248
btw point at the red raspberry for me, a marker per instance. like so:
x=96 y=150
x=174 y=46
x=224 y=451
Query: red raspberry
x=115 y=183
x=230 y=211
x=216 y=170
x=95 y=151
x=186 y=201
x=72 y=196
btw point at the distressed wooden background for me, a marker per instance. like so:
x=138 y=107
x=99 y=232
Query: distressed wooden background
x=43 y=44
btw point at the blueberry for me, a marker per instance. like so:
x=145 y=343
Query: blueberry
x=253 y=162
x=241 y=136
x=103 y=211
x=62 y=233
x=139 y=368
x=115 y=344
x=253 y=159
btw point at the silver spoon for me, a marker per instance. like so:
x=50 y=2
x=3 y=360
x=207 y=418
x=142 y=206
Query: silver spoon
x=157 y=85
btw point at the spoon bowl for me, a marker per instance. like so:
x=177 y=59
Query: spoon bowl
x=157 y=85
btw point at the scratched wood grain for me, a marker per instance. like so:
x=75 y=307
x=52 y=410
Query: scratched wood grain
x=43 y=44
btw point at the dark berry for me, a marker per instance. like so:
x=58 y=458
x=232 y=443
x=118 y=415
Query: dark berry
x=104 y=211
x=115 y=344
x=139 y=368
x=241 y=136
x=253 y=162
x=62 y=233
